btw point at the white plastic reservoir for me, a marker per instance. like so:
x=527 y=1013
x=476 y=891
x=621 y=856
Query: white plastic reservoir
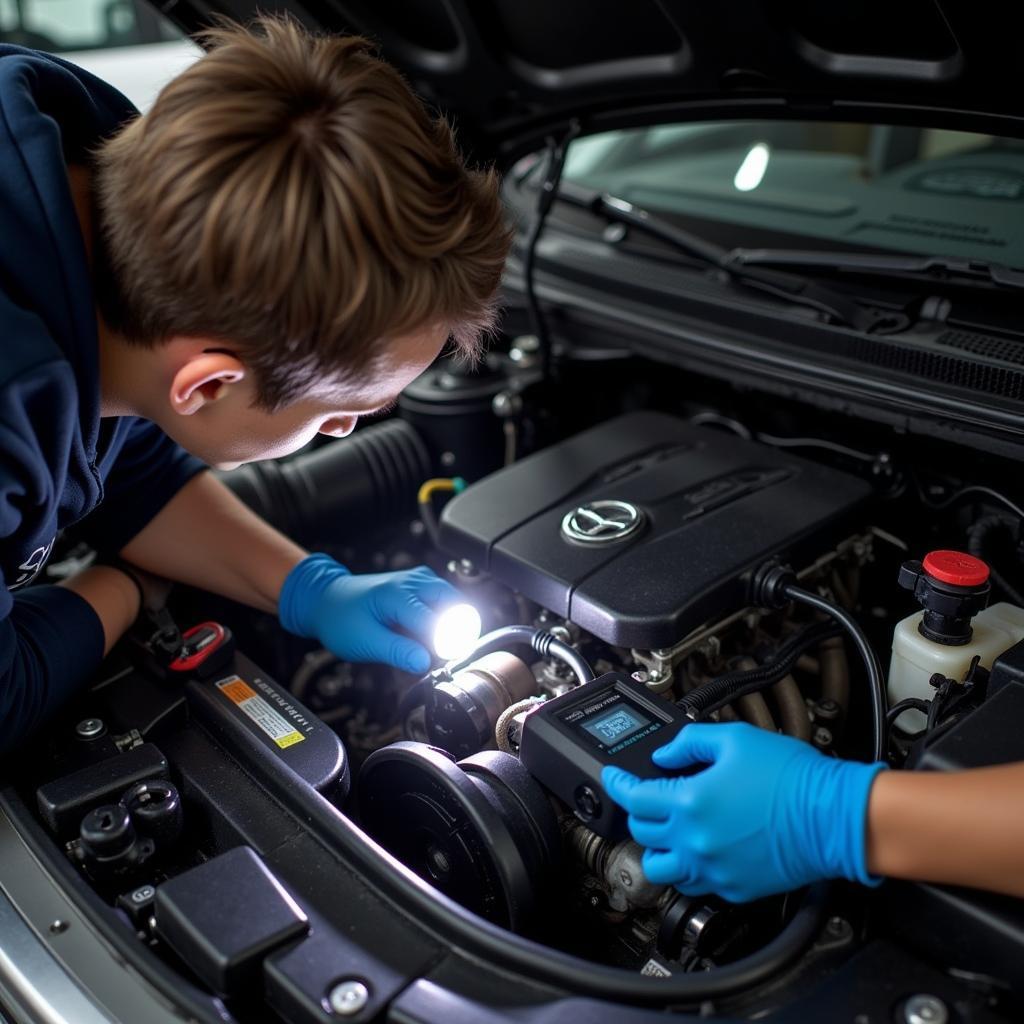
x=915 y=659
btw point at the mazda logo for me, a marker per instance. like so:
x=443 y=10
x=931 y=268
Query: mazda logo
x=602 y=522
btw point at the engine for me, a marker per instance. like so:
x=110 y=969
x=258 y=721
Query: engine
x=629 y=578
x=630 y=552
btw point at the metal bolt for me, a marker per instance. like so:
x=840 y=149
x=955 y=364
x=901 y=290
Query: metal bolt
x=89 y=728
x=506 y=404
x=839 y=928
x=925 y=1009
x=58 y=927
x=448 y=459
x=822 y=737
x=348 y=997
x=614 y=233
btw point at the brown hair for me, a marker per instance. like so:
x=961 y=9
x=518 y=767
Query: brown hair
x=290 y=195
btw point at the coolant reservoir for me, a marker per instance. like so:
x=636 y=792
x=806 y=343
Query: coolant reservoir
x=953 y=628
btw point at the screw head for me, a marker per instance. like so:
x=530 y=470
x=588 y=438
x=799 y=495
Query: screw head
x=925 y=1009
x=58 y=927
x=348 y=997
x=822 y=736
x=89 y=728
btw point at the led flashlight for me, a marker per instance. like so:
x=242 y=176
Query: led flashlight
x=457 y=629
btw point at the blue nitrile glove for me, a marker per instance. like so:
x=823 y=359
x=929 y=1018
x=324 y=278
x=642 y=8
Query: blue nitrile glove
x=355 y=617
x=769 y=814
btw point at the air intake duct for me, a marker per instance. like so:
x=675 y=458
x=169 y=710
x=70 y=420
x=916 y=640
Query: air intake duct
x=368 y=480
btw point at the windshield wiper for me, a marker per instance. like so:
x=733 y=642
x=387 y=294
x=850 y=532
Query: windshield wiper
x=793 y=288
x=935 y=268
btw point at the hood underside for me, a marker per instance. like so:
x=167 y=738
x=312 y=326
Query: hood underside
x=509 y=72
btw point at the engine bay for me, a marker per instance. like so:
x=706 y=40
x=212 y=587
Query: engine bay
x=227 y=794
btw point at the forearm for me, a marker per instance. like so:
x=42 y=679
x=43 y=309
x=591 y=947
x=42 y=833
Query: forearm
x=113 y=597
x=208 y=538
x=960 y=828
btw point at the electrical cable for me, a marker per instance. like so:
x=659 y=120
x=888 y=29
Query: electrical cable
x=816 y=442
x=543 y=643
x=965 y=492
x=557 y=150
x=424 y=502
x=716 y=693
x=775 y=585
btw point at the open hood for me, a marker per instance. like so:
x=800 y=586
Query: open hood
x=508 y=72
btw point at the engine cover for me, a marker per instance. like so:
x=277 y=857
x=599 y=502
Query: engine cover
x=643 y=528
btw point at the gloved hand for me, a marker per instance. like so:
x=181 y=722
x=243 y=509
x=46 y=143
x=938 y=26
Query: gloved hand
x=769 y=814
x=355 y=617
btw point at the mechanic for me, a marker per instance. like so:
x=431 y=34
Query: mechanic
x=278 y=247
x=769 y=813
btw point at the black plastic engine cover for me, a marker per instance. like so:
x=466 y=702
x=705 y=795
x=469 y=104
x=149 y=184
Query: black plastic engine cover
x=712 y=509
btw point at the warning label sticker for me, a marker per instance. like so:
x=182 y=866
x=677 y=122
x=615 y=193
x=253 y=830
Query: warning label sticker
x=239 y=692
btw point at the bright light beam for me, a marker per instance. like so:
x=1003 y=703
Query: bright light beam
x=751 y=171
x=457 y=629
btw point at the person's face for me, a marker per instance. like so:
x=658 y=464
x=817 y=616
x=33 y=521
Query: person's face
x=216 y=420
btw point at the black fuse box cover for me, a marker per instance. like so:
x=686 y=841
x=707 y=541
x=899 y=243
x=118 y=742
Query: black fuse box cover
x=63 y=802
x=993 y=734
x=968 y=929
x=712 y=508
x=223 y=917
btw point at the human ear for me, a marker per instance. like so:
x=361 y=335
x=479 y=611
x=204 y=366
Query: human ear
x=203 y=378
x=339 y=426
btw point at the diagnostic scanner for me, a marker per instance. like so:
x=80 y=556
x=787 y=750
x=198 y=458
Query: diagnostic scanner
x=613 y=720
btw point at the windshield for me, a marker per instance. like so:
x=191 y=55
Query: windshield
x=821 y=185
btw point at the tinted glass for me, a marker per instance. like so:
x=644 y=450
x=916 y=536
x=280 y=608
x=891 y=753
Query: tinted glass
x=816 y=184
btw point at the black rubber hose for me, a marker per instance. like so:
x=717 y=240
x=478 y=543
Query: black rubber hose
x=368 y=480
x=876 y=679
x=907 y=704
x=979 y=534
x=725 y=689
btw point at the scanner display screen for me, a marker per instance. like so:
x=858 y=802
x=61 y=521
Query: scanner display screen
x=615 y=725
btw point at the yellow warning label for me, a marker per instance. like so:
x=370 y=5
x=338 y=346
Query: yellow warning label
x=251 y=704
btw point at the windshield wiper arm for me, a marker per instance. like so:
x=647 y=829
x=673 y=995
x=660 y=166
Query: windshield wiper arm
x=938 y=268
x=793 y=288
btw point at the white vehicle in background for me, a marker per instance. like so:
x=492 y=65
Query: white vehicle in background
x=126 y=43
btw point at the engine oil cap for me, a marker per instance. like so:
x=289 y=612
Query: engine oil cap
x=956 y=568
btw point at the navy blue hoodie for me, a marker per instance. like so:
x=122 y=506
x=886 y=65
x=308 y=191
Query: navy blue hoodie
x=58 y=459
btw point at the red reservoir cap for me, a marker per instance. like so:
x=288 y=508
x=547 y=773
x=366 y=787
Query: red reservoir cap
x=956 y=568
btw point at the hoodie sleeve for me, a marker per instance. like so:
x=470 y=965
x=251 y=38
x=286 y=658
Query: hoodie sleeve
x=51 y=640
x=148 y=471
